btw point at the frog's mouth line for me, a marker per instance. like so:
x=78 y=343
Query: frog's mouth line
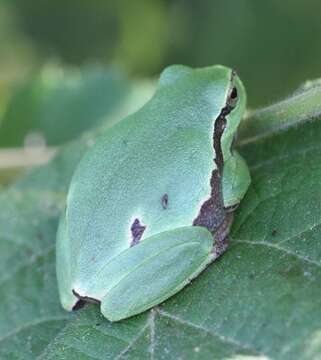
x=213 y=215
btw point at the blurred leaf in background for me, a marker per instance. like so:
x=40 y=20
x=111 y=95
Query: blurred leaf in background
x=59 y=104
x=76 y=31
x=16 y=52
x=274 y=45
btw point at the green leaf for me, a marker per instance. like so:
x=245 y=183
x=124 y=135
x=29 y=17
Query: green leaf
x=58 y=106
x=260 y=300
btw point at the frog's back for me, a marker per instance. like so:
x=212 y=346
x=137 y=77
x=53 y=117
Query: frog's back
x=149 y=173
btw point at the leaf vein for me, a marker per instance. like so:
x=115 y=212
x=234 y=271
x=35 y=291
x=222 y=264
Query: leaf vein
x=279 y=248
x=210 y=332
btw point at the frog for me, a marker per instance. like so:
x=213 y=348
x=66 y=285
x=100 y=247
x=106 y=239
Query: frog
x=151 y=203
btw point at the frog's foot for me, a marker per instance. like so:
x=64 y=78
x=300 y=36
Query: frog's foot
x=236 y=180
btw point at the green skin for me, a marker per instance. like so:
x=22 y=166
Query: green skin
x=149 y=206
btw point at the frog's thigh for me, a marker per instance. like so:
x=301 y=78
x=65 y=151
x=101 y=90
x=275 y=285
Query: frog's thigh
x=236 y=179
x=68 y=300
x=166 y=263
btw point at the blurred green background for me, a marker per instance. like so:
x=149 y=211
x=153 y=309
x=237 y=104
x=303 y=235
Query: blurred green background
x=69 y=62
x=274 y=45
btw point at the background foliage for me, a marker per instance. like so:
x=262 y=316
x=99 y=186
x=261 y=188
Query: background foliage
x=274 y=45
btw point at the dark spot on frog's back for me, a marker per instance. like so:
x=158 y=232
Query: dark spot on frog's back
x=165 y=201
x=137 y=230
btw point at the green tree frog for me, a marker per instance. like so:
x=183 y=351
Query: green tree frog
x=150 y=204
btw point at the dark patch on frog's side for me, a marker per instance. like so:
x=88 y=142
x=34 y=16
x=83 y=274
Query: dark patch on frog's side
x=164 y=201
x=213 y=215
x=137 y=230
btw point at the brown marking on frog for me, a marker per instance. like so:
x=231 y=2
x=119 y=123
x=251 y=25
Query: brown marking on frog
x=213 y=215
x=137 y=231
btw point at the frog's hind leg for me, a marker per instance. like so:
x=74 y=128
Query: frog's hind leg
x=154 y=270
x=68 y=299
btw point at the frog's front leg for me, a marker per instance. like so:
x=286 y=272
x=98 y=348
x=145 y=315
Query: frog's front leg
x=150 y=272
x=236 y=180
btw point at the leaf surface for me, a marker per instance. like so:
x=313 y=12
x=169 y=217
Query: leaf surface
x=260 y=300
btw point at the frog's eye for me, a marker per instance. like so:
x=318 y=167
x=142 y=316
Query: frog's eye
x=234 y=93
x=233 y=97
